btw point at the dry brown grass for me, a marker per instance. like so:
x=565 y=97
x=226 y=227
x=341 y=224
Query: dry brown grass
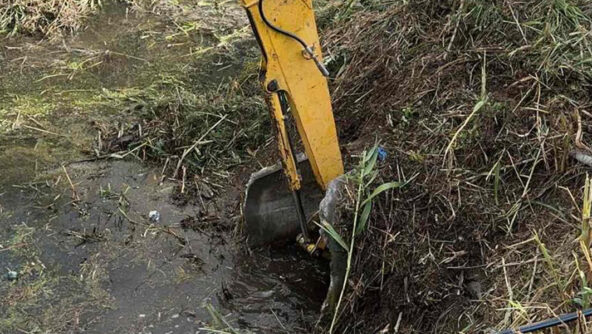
x=486 y=100
x=44 y=16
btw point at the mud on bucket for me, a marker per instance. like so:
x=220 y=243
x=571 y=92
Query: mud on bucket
x=269 y=210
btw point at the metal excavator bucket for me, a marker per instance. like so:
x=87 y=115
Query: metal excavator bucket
x=271 y=215
x=270 y=210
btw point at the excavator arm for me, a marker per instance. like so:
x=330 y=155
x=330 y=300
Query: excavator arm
x=294 y=79
x=288 y=69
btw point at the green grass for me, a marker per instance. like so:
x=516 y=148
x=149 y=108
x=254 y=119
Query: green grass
x=361 y=179
x=209 y=129
x=45 y=17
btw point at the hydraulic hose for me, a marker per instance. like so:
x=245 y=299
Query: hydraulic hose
x=279 y=30
x=553 y=322
x=295 y=193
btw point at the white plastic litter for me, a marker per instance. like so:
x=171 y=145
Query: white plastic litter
x=154 y=216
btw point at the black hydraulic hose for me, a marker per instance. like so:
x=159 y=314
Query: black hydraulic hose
x=307 y=48
x=278 y=29
x=553 y=322
x=295 y=193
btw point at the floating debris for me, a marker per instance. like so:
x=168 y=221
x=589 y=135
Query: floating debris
x=11 y=275
x=206 y=191
x=154 y=216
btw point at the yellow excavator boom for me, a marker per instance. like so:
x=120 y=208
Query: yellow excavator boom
x=291 y=72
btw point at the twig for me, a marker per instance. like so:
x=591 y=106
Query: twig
x=16 y=121
x=460 y=10
x=179 y=238
x=21 y=244
x=480 y=104
x=134 y=150
x=578 y=140
x=183 y=179
x=41 y=130
x=517 y=22
x=524 y=191
x=129 y=219
x=74 y=194
x=162 y=175
x=534 y=270
x=476 y=109
x=396 y=329
x=510 y=293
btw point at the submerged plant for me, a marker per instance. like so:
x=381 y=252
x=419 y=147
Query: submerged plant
x=221 y=325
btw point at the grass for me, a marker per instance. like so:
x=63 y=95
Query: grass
x=220 y=324
x=494 y=89
x=585 y=242
x=360 y=180
x=163 y=98
x=52 y=18
x=181 y=128
x=44 y=17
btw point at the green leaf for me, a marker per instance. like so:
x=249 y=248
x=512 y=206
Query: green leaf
x=578 y=301
x=382 y=188
x=386 y=186
x=364 y=218
x=371 y=162
x=333 y=233
x=368 y=154
x=479 y=105
x=372 y=178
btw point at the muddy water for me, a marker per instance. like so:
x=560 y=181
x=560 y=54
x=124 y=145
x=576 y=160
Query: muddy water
x=88 y=257
x=143 y=276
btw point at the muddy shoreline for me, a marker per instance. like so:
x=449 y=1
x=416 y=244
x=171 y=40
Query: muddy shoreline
x=103 y=266
x=74 y=207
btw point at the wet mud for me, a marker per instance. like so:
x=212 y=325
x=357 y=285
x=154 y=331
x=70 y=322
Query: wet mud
x=77 y=229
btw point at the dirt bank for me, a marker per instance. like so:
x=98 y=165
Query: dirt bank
x=482 y=105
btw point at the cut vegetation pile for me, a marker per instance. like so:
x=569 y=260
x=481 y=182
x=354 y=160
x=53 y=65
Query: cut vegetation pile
x=483 y=107
x=188 y=132
x=50 y=17
x=186 y=99
x=44 y=16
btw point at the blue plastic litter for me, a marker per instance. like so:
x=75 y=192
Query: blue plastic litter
x=382 y=154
